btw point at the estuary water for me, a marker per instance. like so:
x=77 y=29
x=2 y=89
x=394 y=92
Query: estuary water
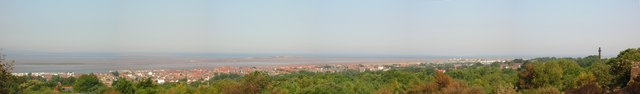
x=88 y=64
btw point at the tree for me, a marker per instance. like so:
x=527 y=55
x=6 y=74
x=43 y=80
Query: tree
x=423 y=88
x=585 y=83
x=146 y=86
x=227 y=86
x=115 y=73
x=220 y=76
x=601 y=72
x=393 y=88
x=88 y=83
x=591 y=88
x=506 y=89
x=443 y=84
x=584 y=78
x=404 y=77
x=570 y=70
x=477 y=64
x=543 y=90
x=541 y=74
x=7 y=80
x=255 y=82
x=495 y=64
x=589 y=60
x=526 y=76
x=32 y=86
x=549 y=75
x=519 y=60
x=68 y=81
x=180 y=88
x=621 y=66
x=442 y=80
x=146 y=83
x=124 y=86
x=206 y=89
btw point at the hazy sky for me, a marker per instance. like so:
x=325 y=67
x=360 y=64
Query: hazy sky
x=394 y=27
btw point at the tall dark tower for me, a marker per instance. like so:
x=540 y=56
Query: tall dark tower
x=599 y=52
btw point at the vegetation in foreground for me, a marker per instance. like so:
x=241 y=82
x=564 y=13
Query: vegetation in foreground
x=588 y=75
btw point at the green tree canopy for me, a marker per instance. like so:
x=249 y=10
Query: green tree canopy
x=621 y=66
x=256 y=81
x=124 y=86
x=7 y=80
x=88 y=83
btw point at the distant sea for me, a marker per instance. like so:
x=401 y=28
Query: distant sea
x=88 y=63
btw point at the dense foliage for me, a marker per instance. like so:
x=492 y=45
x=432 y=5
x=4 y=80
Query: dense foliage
x=549 y=75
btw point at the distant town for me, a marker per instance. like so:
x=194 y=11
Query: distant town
x=161 y=76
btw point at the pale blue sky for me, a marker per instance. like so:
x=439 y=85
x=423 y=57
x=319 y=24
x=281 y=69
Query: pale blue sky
x=383 y=27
